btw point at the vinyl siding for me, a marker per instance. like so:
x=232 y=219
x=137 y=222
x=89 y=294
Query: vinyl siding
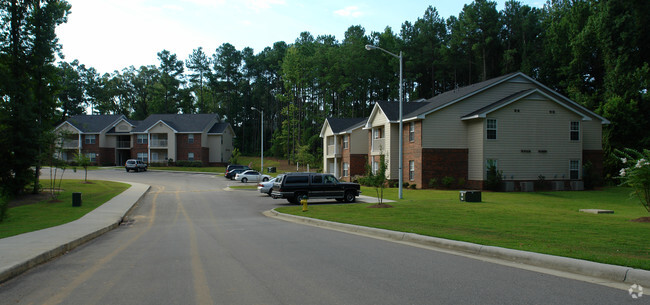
x=444 y=128
x=171 y=139
x=123 y=127
x=359 y=141
x=328 y=133
x=533 y=129
x=390 y=141
x=215 y=149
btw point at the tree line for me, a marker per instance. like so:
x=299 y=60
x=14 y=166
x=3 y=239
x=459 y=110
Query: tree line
x=594 y=52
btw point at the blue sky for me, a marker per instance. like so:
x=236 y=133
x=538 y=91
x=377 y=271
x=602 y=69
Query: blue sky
x=114 y=34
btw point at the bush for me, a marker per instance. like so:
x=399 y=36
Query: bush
x=461 y=182
x=589 y=176
x=170 y=162
x=448 y=181
x=494 y=178
x=433 y=182
x=157 y=164
x=541 y=183
x=392 y=183
x=413 y=186
x=4 y=207
x=187 y=163
x=405 y=184
x=636 y=173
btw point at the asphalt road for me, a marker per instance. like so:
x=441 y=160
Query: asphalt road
x=192 y=241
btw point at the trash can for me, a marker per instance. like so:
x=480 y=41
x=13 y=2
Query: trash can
x=76 y=199
x=270 y=169
x=470 y=196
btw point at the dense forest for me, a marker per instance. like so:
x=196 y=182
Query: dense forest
x=594 y=52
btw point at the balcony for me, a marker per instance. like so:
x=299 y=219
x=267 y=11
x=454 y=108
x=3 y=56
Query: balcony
x=123 y=144
x=158 y=143
x=333 y=151
x=378 y=145
x=67 y=144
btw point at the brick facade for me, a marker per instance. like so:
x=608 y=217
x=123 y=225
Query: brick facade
x=183 y=148
x=440 y=163
x=413 y=152
x=106 y=156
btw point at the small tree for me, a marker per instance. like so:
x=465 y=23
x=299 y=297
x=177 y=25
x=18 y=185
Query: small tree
x=636 y=173
x=234 y=159
x=494 y=178
x=83 y=161
x=376 y=179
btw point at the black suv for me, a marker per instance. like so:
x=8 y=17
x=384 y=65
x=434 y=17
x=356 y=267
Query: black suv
x=294 y=186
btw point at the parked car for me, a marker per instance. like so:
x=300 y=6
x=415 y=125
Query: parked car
x=233 y=172
x=267 y=187
x=236 y=166
x=252 y=175
x=135 y=165
x=294 y=186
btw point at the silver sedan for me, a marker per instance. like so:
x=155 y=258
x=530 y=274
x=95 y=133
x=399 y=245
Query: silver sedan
x=251 y=175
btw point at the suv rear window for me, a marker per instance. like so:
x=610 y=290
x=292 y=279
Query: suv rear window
x=296 y=180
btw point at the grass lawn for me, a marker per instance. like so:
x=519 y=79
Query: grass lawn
x=46 y=214
x=543 y=222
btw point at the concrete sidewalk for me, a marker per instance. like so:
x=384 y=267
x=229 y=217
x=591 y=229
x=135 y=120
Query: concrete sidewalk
x=609 y=273
x=22 y=252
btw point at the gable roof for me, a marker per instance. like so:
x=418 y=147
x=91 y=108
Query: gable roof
x=342 y=125
x=178 y=122
x=481 y=113
x=219 y=128
x=92 y=123
x=413 y=111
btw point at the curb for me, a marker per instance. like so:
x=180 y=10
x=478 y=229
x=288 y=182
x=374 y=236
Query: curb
x=44 y=245
x=609 y=272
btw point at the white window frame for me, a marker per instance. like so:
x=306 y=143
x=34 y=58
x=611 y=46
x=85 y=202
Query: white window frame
x=411 y=170
x=190 y=156
x=574 y=129
x=90 y=139
x=346 y=169
x=574 y=168
x=412 y=132
x=190 y=138
x=489 y=128
x=92 y=157
x=142 y=139
x=144 y=157
x=346 y=140
x=375 y=166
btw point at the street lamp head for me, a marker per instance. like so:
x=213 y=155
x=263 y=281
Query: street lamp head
x=253 y=108
x=370 y=47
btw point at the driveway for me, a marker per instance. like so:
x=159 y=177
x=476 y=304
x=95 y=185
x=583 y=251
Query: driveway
x=193 y=241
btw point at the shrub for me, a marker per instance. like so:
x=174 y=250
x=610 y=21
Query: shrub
x=494 y=178
x=541 y=183
x=413 y=186
x=405 y=184
x=636 y=173
x=589 y=176
x=448 y=181
x=461 y=182
x=392 y=183
x=433 y=182
x=170 y=162
x=4 y=207
x=187 y=163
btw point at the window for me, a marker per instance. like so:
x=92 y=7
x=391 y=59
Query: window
x=92 y=157
x=411 y=170
x=317 y=179
x=90 y=139
x=330 y=179
x=376 y=133
x=575 y=131
x=574 y=170
x=190 y=138
x=190 y=156
x=345 y=141
x=346 y=169
x=375 y=167
x=142 y=139
x=491 y=129
x=143 y=157
x=412 y=131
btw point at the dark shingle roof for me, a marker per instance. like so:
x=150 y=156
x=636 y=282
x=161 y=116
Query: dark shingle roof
x=179 y=122
x=218 y=128
x=342 y=124
x=92 y=123
x=500 y=102
x=391 y=109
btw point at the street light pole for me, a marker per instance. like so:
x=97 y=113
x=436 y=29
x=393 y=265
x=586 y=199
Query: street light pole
x=261 y=138
x=401 y=88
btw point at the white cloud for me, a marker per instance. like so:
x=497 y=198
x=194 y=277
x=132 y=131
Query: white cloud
x=350 y=11
x=258 y=5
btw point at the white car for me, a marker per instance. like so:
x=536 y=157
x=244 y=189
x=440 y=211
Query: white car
x=251 y=175
x=266 y=187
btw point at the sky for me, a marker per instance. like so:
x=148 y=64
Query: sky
x=112 y=35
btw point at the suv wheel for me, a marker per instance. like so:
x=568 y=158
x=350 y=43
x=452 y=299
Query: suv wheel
x=265 y=179
x=244 y=180
x=349 y=196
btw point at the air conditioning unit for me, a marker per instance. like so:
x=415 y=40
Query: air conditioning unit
x=558 y=185
x=509 y=186
x=577 y=186
x=526 y=186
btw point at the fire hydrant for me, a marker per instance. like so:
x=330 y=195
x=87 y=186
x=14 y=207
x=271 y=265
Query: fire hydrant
x=303 y=201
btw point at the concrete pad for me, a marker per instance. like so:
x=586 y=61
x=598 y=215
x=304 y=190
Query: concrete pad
x=597 y=211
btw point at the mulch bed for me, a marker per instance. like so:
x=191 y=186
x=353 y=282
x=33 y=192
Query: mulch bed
x=641 y=219
x=383 y=205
